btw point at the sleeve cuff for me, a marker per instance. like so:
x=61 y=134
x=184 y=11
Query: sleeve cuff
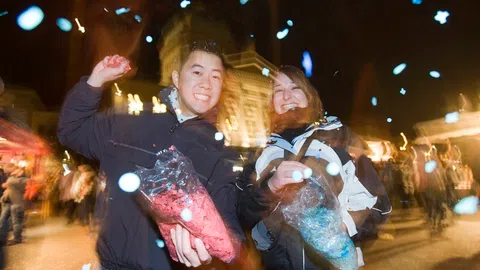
x=266 y=192
x=83 y=81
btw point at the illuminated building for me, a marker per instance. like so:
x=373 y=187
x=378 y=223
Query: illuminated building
x=129 y=96
x=244 y=118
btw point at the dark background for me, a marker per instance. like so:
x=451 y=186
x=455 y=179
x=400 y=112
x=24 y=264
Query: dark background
x=361 y=39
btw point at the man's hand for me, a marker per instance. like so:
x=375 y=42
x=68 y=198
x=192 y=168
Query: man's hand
x=284 y=175
x=109 y=69
x=186 y=254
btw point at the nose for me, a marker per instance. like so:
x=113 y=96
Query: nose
x=206 y=84
x=287 y=94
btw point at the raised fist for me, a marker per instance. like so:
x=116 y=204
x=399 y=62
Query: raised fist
x=109 y=69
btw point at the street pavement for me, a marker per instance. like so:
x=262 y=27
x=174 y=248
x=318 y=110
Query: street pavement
x=412 y=247
x=406 y=245
x=52 y=245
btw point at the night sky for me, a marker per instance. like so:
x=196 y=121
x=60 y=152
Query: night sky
x=360 y=41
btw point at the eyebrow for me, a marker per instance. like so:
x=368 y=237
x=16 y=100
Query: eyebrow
x=196 y=65
x=200 y=66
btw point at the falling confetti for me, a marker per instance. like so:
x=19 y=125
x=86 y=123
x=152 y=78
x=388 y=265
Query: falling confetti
x=374 y=101
x=452 y=117
x=138 y=18
x=218 y=136
x=399 y=69
x=129 y=182
x=30 y=18
x=403 y=91
x=441 y=16
x=430 y=166
x=184 y=3
x=3 y=13
x=416 y=2
x=389 y=120
x=282 y=34
x=160 y=243
x=290 y=23
x=122 y=10
x=307 y=173
x=467 y=206
x=297 y=176
x=186 y=215
x=149 y=39
x=435 y=74
x=265 y=72
x=333 y=169
x=307 y=64
x=243 y=2
x=64 y=24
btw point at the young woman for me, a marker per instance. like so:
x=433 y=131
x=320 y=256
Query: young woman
x=297 y=119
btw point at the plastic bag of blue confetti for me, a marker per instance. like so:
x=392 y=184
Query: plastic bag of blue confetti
x=314 y=211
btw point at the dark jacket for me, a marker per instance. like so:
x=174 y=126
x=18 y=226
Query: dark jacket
x=16 y=189
x=368 y=176
x=120 y=142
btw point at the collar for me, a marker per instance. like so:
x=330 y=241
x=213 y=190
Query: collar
x=169 y=96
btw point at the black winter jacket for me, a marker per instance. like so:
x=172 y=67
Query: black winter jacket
x=120 y=142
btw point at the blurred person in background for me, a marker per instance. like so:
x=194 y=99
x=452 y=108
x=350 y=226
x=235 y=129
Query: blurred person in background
x=368 y=176
x=83 y=193
x=3 y=179
x=65 y=187
x=13 y=205
x=436 y=195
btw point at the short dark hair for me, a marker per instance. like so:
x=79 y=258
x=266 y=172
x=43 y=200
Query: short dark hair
x=208 y=46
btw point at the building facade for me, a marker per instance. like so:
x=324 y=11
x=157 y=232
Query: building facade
x=245 y=118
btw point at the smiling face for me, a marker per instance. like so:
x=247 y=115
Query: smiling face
x=287 y=95
x=199 y=83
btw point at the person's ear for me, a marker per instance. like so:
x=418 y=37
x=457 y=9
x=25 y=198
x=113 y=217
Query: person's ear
x=175 y=78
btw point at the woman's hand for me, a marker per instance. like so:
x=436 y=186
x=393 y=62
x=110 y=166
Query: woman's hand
x=284 y=175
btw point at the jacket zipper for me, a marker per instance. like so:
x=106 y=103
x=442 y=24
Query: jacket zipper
x=134 y=147
x=172 y=129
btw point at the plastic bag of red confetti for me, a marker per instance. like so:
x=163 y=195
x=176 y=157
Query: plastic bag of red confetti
x=118 y=62
x=174 y=195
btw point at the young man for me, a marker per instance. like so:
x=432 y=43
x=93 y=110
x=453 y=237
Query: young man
x=128 y=238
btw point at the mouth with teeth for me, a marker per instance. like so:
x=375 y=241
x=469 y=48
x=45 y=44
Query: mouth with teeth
x=201 y=97
x=290 y=106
